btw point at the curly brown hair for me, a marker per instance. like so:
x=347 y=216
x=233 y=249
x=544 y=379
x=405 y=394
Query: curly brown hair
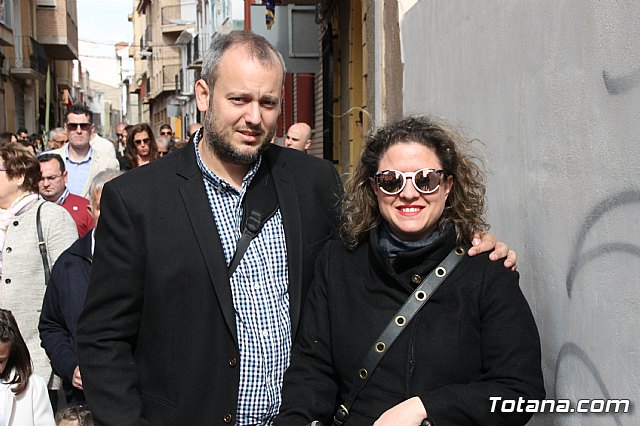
x=21 y=161
x=465 y=205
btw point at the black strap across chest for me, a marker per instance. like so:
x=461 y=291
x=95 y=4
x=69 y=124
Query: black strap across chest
x=260 y=203
x=42 y=246
x=397 y=325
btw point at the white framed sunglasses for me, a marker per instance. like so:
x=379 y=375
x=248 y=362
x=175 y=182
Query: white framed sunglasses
x=425 y=181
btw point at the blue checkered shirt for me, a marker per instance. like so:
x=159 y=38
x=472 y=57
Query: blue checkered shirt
x=260 y=296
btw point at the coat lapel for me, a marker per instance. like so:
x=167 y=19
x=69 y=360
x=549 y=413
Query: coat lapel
x=290 y=210
x=199 y=211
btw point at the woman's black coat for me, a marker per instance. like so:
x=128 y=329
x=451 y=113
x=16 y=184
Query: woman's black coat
x=474 y=339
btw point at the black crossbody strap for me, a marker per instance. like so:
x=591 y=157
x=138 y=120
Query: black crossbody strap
x=42 y=246
x=260 y=203
x=397 y=325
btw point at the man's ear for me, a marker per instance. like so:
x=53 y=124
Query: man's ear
x=307 y=145
x=202 y=93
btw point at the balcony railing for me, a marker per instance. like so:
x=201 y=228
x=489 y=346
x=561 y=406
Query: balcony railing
x=32 y=65
x=171 y=15
x=148 y=38
x=200 y=45
x=164 y=80
x=174 y=18
x=5 y=13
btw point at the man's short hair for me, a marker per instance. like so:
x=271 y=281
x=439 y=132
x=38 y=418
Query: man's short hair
x=22 y=130
x=80 y=414
x=43 y=158
x=258 y=46
x=100 y=179
x=54 y=132
x=79 y=109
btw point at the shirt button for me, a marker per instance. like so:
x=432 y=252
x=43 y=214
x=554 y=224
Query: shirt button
x=8 y=249
x=233 y=362
x=227 y=418
x=265 y=333
x=416 y=279
x=257 y=286
x=8 y=281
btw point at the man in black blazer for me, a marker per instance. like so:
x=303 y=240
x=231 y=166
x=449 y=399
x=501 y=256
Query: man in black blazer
x=166 y=337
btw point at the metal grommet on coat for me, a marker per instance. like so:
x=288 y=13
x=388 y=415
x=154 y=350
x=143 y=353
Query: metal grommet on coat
x=363 y=373
x=400 y=320
x=420 y=295
x=228 y=418
x=440 y=272
x=416 y=279
x=459 y=251
x=380 y=347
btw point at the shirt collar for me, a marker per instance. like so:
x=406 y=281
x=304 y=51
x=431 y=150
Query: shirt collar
x=84 y=160
x=63 y=197
x=216 y=180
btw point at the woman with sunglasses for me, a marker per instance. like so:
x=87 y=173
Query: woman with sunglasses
x=414 y=198
x=141 y=147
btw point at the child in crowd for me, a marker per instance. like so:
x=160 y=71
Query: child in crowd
x=24 y=400
x=74 y=416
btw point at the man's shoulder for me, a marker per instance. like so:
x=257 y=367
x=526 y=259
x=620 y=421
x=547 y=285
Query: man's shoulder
x=105 y=160
x=103 y=145
x=158 y=173
x=59 y=151
x=295 y=161
x=75 y=200
x=80 y=247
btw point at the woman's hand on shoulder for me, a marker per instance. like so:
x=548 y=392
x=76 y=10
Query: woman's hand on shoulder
x=485 y=241
x=410 y=412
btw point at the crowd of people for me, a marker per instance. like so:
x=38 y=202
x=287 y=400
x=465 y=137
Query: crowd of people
x=145 y=282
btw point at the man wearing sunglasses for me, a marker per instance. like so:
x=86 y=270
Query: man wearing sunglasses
x=165 y=130
x=169 y=333
x=82 y=161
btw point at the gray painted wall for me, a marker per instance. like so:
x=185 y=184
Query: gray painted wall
x=552 y=89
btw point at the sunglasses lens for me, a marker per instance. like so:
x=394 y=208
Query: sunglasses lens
x=427 y=180
x=83 y=126
x=390 y=182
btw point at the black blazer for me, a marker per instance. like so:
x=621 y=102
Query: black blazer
x=157 y=338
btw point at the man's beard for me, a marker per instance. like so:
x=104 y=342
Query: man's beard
x=224 y=149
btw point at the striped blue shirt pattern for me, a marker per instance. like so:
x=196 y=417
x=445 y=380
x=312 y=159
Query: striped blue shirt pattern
x=260 y=296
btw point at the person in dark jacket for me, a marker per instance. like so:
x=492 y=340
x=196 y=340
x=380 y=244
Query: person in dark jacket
x=414 y=197
x=64 y=299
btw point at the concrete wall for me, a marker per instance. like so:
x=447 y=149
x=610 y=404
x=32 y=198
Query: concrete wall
x=552 y=89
